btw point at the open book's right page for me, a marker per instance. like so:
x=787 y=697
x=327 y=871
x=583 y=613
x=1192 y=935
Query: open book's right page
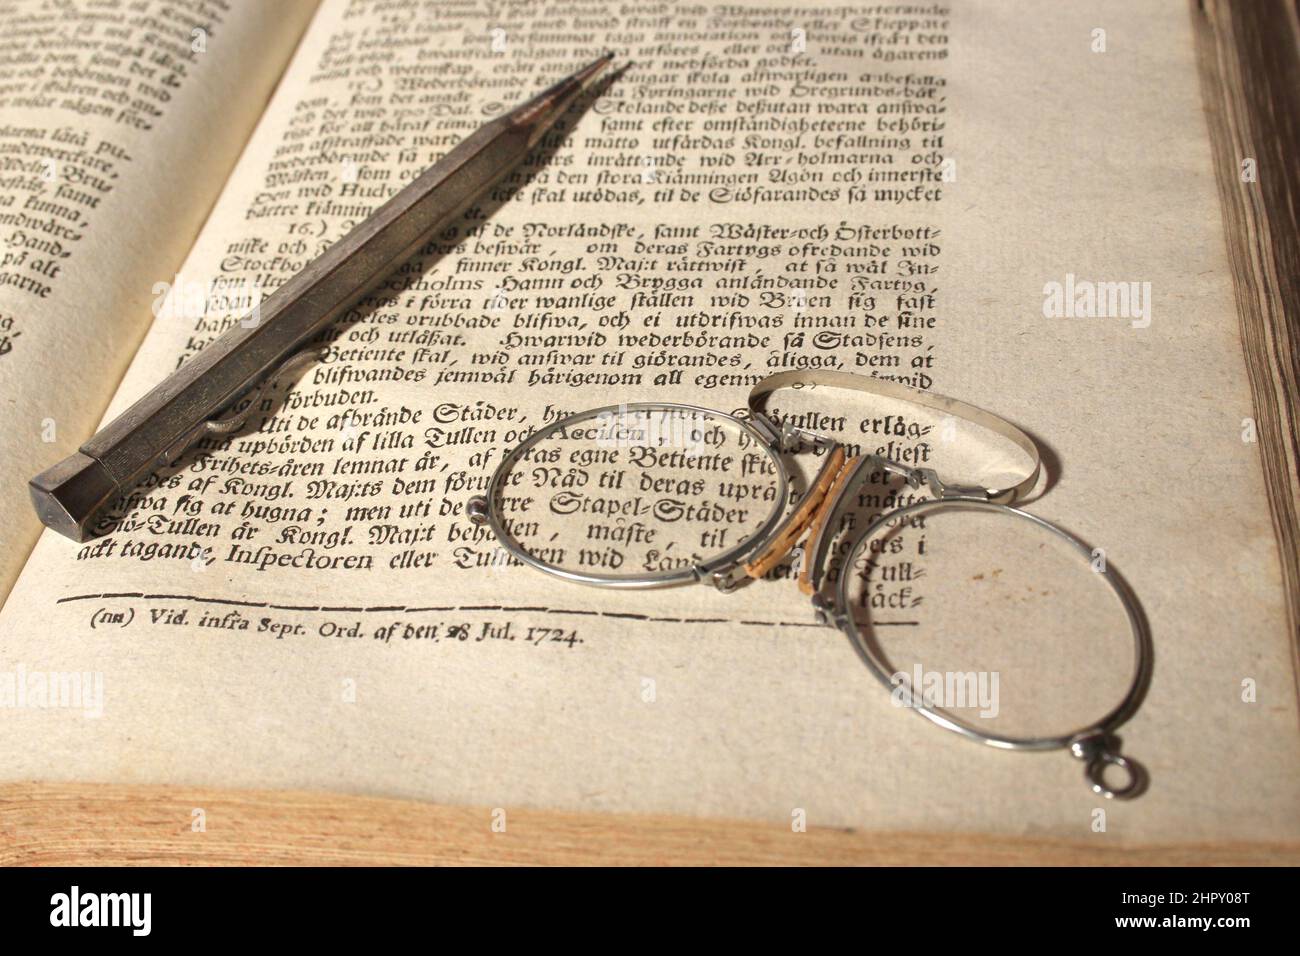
x=1012 y=203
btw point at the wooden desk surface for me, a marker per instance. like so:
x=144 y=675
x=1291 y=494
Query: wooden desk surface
x=58 y=824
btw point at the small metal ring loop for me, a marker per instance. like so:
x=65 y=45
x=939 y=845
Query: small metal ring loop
x=1099 y=751
x=1095 y=771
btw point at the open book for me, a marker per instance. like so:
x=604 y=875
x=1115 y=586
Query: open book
x=1012 y=203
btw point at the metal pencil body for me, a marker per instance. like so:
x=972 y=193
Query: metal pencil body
x=69 y=496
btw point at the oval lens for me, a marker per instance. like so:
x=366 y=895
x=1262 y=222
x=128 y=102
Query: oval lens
x=637 y=495
x=991 y=618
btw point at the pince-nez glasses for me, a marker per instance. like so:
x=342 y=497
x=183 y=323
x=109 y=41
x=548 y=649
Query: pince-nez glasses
x=654 y=494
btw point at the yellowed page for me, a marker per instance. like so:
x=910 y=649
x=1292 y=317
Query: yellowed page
x=119 y=123
x=1061 y=145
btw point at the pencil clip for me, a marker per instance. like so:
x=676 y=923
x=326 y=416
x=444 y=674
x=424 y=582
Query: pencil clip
x=294 y=364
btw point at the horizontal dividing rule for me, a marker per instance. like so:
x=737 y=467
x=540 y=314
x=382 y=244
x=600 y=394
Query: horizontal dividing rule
x=620 y=615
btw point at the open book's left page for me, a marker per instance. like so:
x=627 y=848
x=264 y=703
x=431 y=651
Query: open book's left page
x=119 y=123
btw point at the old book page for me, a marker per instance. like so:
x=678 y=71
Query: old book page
x=119 y=123
x=954 y=198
